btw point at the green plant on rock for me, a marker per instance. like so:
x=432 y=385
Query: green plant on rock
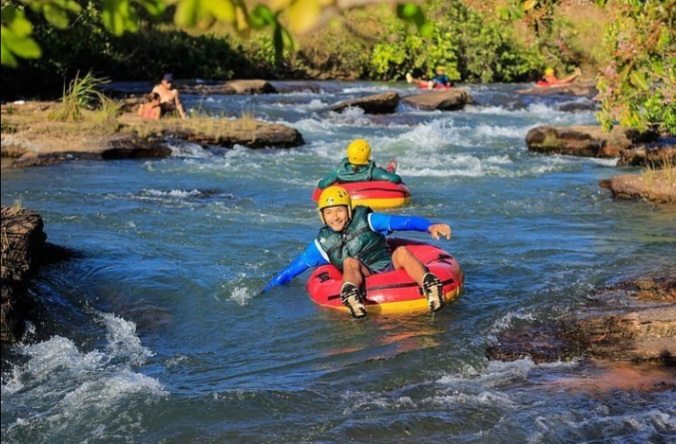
x=82 y=93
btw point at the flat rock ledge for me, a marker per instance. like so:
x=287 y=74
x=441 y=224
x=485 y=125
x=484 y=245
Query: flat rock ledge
x=247 y=87
x=133 y=92
x=138 y=138
x=246 y=132
x=453 y=99
x=633 y=321
x=657 y=183
x=583 y=88
x=24 y=250
x=586 y=140
x=387 y=103
x=657 y=186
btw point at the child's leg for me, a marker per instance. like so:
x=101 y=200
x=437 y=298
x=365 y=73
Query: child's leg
x=433 y=288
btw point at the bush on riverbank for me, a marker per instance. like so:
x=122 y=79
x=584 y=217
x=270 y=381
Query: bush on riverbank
x=372 y=44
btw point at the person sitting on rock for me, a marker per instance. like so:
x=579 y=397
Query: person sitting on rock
x=169 y=99
x=358 y=167
x=150 y=109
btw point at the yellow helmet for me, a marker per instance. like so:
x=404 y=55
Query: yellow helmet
x=549 y=71
x=440 y=68
x=359 y=152
x=334 y=196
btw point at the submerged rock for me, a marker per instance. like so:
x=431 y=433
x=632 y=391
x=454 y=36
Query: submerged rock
x=585 y=140
x=632 y=321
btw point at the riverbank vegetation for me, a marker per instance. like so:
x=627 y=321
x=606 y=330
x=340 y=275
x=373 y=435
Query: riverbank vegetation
x=626 y=45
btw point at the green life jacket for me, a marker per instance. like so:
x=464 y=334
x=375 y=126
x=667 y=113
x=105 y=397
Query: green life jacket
x=355 y=173
x=357 y=240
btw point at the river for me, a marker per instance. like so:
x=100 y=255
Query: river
x=159 y=334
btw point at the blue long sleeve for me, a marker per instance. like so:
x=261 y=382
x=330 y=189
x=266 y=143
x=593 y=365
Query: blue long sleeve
x=386 y=224
x=309 y=258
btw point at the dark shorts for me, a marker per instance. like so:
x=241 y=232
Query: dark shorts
x=382 y=269
x=167 y=109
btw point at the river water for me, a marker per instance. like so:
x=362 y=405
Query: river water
x=160 y=336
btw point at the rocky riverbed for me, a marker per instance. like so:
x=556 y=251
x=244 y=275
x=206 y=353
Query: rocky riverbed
x=628 y=322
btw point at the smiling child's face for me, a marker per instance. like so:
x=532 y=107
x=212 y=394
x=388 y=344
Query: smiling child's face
x=336 y=217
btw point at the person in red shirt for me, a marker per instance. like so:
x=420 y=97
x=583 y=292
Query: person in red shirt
x=150 y=109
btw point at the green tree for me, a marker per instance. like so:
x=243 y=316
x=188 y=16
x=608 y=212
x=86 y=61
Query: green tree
x=470 y=46
x=638 y=84
x=120 y=16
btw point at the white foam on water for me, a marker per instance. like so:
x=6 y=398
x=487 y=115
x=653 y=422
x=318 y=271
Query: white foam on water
x=605 y=162
x=350 y=116
x=429 y=137
x=123 y=342
x=367 y=88
x=181 y=148
x=313 y=125
x=241 y=295
x=485 y=398
x=316 y=104
x=506 y=322
x=61 y=383
x=171 y=193
x=491 y=110
x=498 y=132
x=237 y=292
x=466 y=386
x=542 y=109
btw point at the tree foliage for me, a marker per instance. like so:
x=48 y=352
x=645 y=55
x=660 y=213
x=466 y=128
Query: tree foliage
x=120 y=16
x=470 y=48
x=638 y=84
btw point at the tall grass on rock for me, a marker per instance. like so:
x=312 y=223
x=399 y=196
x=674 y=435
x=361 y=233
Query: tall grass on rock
x=82 y=93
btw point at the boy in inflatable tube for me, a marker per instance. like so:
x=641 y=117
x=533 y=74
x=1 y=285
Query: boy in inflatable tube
x=358 y=167
x=550 y=79
x=440 y=79
x=354 y=241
